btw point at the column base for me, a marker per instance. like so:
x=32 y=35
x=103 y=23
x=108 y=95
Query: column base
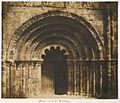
x=76 y=93
x=68 y=93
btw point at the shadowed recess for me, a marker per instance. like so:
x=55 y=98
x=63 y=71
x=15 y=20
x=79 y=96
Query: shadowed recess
x=54 y=67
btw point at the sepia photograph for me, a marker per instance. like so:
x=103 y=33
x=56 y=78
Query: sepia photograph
x=59 y=50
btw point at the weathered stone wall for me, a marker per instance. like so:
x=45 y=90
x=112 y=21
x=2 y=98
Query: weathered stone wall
x=15 y=14
x=102 y=16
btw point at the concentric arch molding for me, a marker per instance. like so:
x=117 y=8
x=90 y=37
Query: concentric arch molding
x=79 y=19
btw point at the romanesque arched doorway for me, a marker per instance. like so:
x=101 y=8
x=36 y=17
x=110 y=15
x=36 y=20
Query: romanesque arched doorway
x=82 y=71
x=54 y=71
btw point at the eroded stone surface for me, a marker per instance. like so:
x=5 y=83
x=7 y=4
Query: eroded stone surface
x=21 y=73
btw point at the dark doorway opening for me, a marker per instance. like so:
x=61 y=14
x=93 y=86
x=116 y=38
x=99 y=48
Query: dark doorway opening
x=55 y=68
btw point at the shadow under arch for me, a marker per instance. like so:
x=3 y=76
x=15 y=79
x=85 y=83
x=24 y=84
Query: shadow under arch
x=54 y=71
x=79 y=31
x=31 y=24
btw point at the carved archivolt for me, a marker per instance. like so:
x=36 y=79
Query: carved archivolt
x=65 y=28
